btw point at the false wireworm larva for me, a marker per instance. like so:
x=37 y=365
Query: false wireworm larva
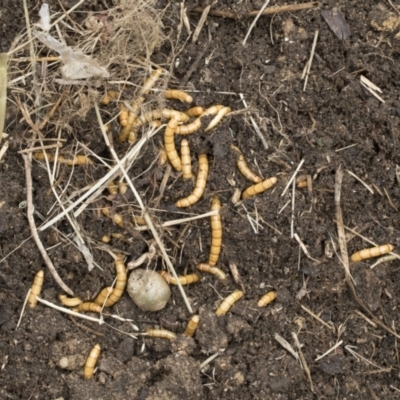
x=165 y=113
x=111 y=94
x=243 y=167
x=169 y=144
x=131 y=119
x=372 y=252
x=103 y=297
x=200 y=184
x=117 y=218
x=178 y=95
x=216 y=232
x=151 y=81
x=123 y=115
x=91 y=362
x=161 y=333
x=213 y=270
x=266 y=299
x=192 y=325
x=186 y=160
x=217 y=119
x=36 y=288
x=189 y=128
x=301 y=184
x=122 y=187
x=194 y=111
x=137 y=220
x=120 y=284
x=162 y=157
x=106 y=239
x=259 y=187
x=89 y=306
x=76 y=160
x=183 y=280
x=69 y=301
x=112 y=187
x=228 y=302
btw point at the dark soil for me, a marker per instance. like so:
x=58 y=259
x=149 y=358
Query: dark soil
x=334 y=122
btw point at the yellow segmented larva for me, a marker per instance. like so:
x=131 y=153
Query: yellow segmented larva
x=112 y=187
x=213 y=270
x=132 y=116
x=111 y=94
x=106 y=239
x=301 y=184
x=103 y=298
x=259 y=187
x=161 y=333
x=220 y=114
x=137 y=220
x=76 y=160
x=122 y=187
x=162 y=157
x=371 y=252
x=200 y=184
x=189 y=128
x=183 y=280
x=69 y=301
x=120 y=284
x=178 y=95
x=266 y=299
x=155 y=124
x=216 y=233
x=228 y=302
x=192 y=325
x=89 y=306
x=169 y=144
x=117 y=218
x=151 y=81
x=186 y=160
x=194 y=111
x=243 y=167
x=91 y=362
x=213 y=110
x=36 y=288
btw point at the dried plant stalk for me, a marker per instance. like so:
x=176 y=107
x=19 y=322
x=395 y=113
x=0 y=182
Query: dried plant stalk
x=3 y=91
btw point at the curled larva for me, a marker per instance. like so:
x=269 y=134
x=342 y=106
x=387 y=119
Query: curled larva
x=36 y=288
x=165 y=113
x=89 y=306
x=112 y=187
x=200 y=184
x=243 y=167
x=123 y=116
x=183 y=280
x=132 y=117
x=259 y=187
x=216 y=232
x=217 y=119
x=192 y=325
x=228 y=302
x=213 y=270
x=161 y=333
x=189 y=128
x=267 y=298
x=151 y=81
x=169 y=144
x=371 y=252
x=69 y=301
x=178 y=95
x=117 y=218
x=186 y=160
x=194 y=111
x=91 y=362
x=111 y=94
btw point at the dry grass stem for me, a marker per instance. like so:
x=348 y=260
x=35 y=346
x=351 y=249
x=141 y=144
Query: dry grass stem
x=383 y=260
x=303 y=360
x=209 y=359
x=390 y=200
x=293 y=177
x=307 y=310
x=35 y=235
x=100 y=320
x=255 y=126
x=360 y=180
x=307 y=68
x=3 y=91
x=286 y=345
x=4 y=149
x=372 y=323
x=41 y=148
x=199 y=26
x=329 y=351
x=253 y=24
x=304 y=248
x=293 y=207
x=23 y=308
x=371 y=87
x=360 y=357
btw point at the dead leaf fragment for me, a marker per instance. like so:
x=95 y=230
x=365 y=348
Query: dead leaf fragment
x=337 y=22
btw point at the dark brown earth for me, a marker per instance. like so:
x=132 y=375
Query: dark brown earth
x=334 y=122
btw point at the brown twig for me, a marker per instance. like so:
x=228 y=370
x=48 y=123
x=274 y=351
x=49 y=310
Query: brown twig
x=29 y=214
x=345 y=256
x=268 y=11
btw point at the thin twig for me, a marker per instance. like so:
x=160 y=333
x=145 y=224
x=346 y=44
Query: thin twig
x=307 y=69
x=316 y=317
x=35 y=235
x=293 y=176
x=329 y=351
x=360 y=180
x=255 y=21
x=200 y=24
x=303 y=360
